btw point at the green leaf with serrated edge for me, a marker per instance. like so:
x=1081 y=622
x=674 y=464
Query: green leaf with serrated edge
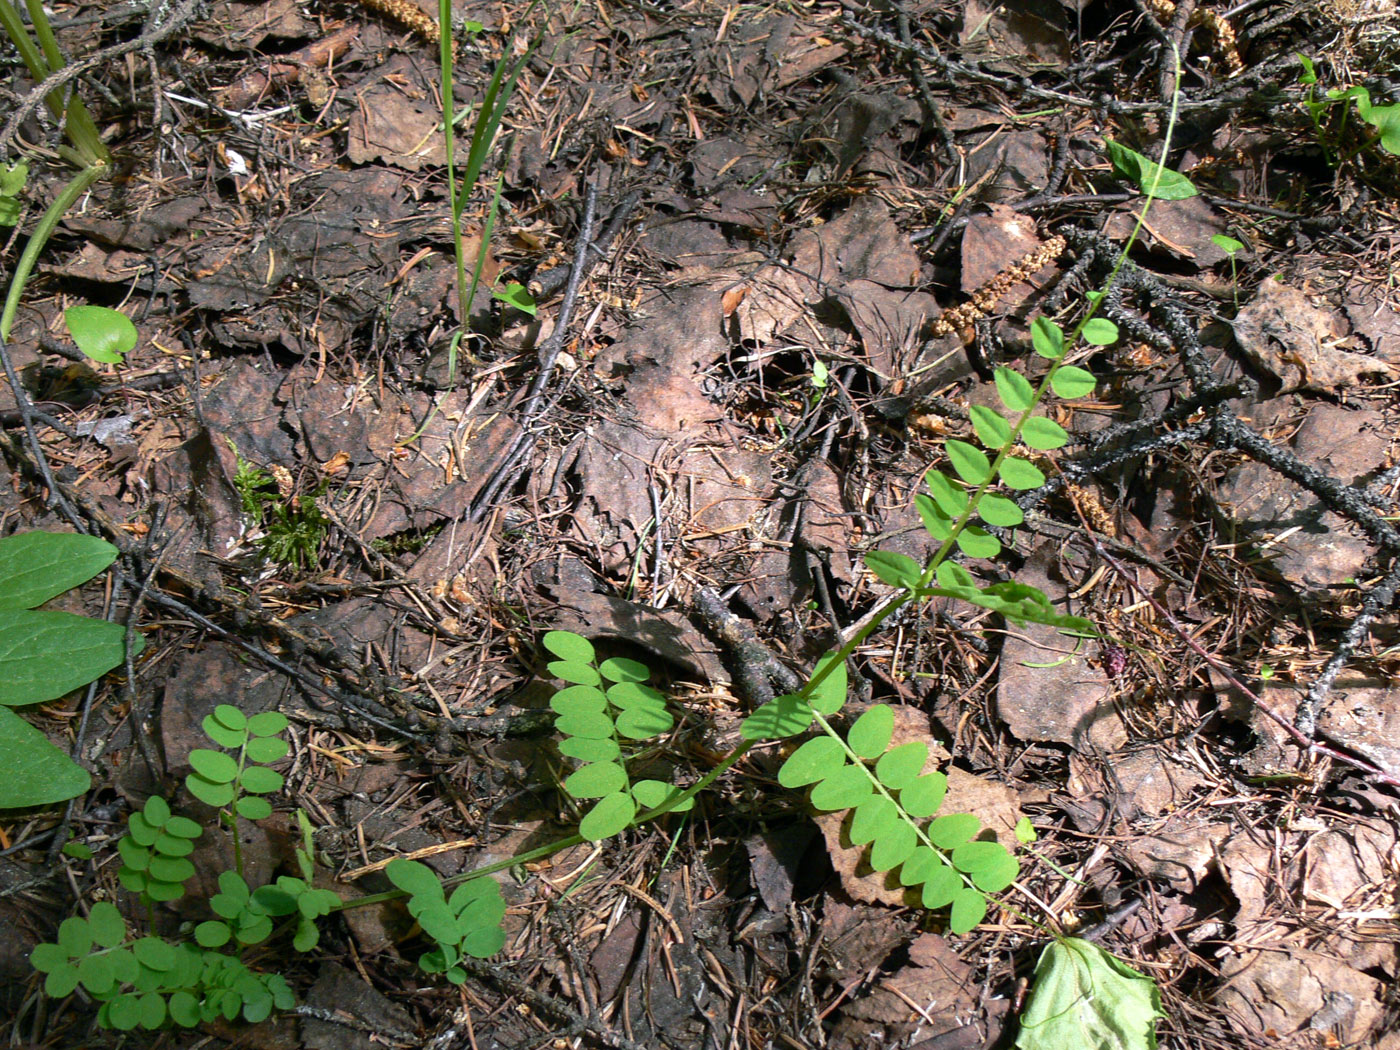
x=1020 y=474
x=978 y=543
x=999 y=511
x=1149 y=176
x=586 y=750
x=44 y=654
x=591 y=724
x=611 y=816
x=815 y=760
x=266 y=749
x=1044 y=434
x=1084 y=997
x=953 y=830
x=621 y=670
x=969 y=461
x=250 y=807
x=870 y=735
x=893 y=847
x=36 y=772
x=652 y=793
x=918 y=866
x=936 y=523
x=268 y=723
x=872 y=818
x=569 y=646
x=579 y=674
x=37 y=566
x=893 y=568
x=1098 y=331
x=223 y=735
x=847 y=788
x=923 y=795
x=596 y=780
x=1014 y=389
x=898 y=767
x=778 y=719
x=631 y=694
x=1048 y=338
x=214 y=766
x=413 y=878
x=260 y=780
x=969 y=909
x=640 y=723
x=830 y=694
x=1070 y=382
x=183 y=827
x=992 y=430
x=578 y=698
x=940 y=886
x=947 y=493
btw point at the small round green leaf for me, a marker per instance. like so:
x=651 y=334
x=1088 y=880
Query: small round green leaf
x=571 y=671
x=936 y=523
x=632 y=694
x=183 y=827
x=47 y=957
x=1043 y=434
x=847 y=788
x=1014 y=389
x=214 y=766
x=1099 y=331
x=261 y=780
x=123 y=1012
x=893 y=568
x=156 y=811
x=900 y=765
x=75 y=936
x=621 y=670
x=1020 y=474
x=978 y=543
x=268 y=723
x=992 y=430
x=101 y=333
x=829 y=696
x=940 y=885
x=611 y=816
x=876 y=816
x=969 y=461
x=947 y=493
x=652 y=793
x=184 y=1009
x=778 y=719
x=1070 y=382
x=1048 y=338
x=893 y=847
x=969 y=909
x=250 y=807
x=161 y=891
x=106 y=925
x=413 y=877
x=1025 y=831
x=569 y=646
x=870 y=735
x=212 y=934
x=1000 y=511
x=924 y=794
x=61 y=981
x=483 y=943
x=230 y=717
x=953 y=830
x=222 y=734
x=642 y=723
x=814 y=760
x=152 y=1010
x=578 y=698
x=154 y=953
x=596 y=780
x=591 y=724
x=918 y=867
x=170 y=869
x=96 y=974
x=266 y=749
x=168 y=845
x=602 y=749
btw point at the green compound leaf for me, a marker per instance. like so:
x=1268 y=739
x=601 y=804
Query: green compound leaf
x=106 y=924
x=893 y=568
x=643 y=723
x=870 y=735
x=992 y=430
x=1020 y=474
x=1070 y=382
x=45 y=654
x=786 y=716
x=596 y=780
x=268 y=723
x=214 y=766
x=936 y=523
x=611 y=816
x=847 y=788
x=969 y=461
x=947 y=493
x=569 y=646
x=969 y=909
x=36 y=772
x=603 y=749
x=1000 y=511
x=1099 y=331
x=260 y=780
x=898 y=767
x=874 y=817
x=953 y=830
x=923 y=795
x=815 y=760
x=1015 y=391
x=989 y=864
x=652 y=793
x=37 y=566
x=1083 y=997
x=1044 y=434
x=620 y=670
x=570 y=671
x=1048 y=338
x=978 y=543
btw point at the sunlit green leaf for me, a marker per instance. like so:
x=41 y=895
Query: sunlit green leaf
x=1083 y=997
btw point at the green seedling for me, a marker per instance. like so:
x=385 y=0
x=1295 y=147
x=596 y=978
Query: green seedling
x=235 y=783
x=1231 y=248
x=1165 y=184
x=45 y=654
x=1331 y=130
x=102 y=334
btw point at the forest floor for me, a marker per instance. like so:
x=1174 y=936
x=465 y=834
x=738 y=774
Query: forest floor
x=769 y=208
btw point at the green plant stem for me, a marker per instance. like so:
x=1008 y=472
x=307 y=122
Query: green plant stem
x=76 y=187
x=73 y=115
